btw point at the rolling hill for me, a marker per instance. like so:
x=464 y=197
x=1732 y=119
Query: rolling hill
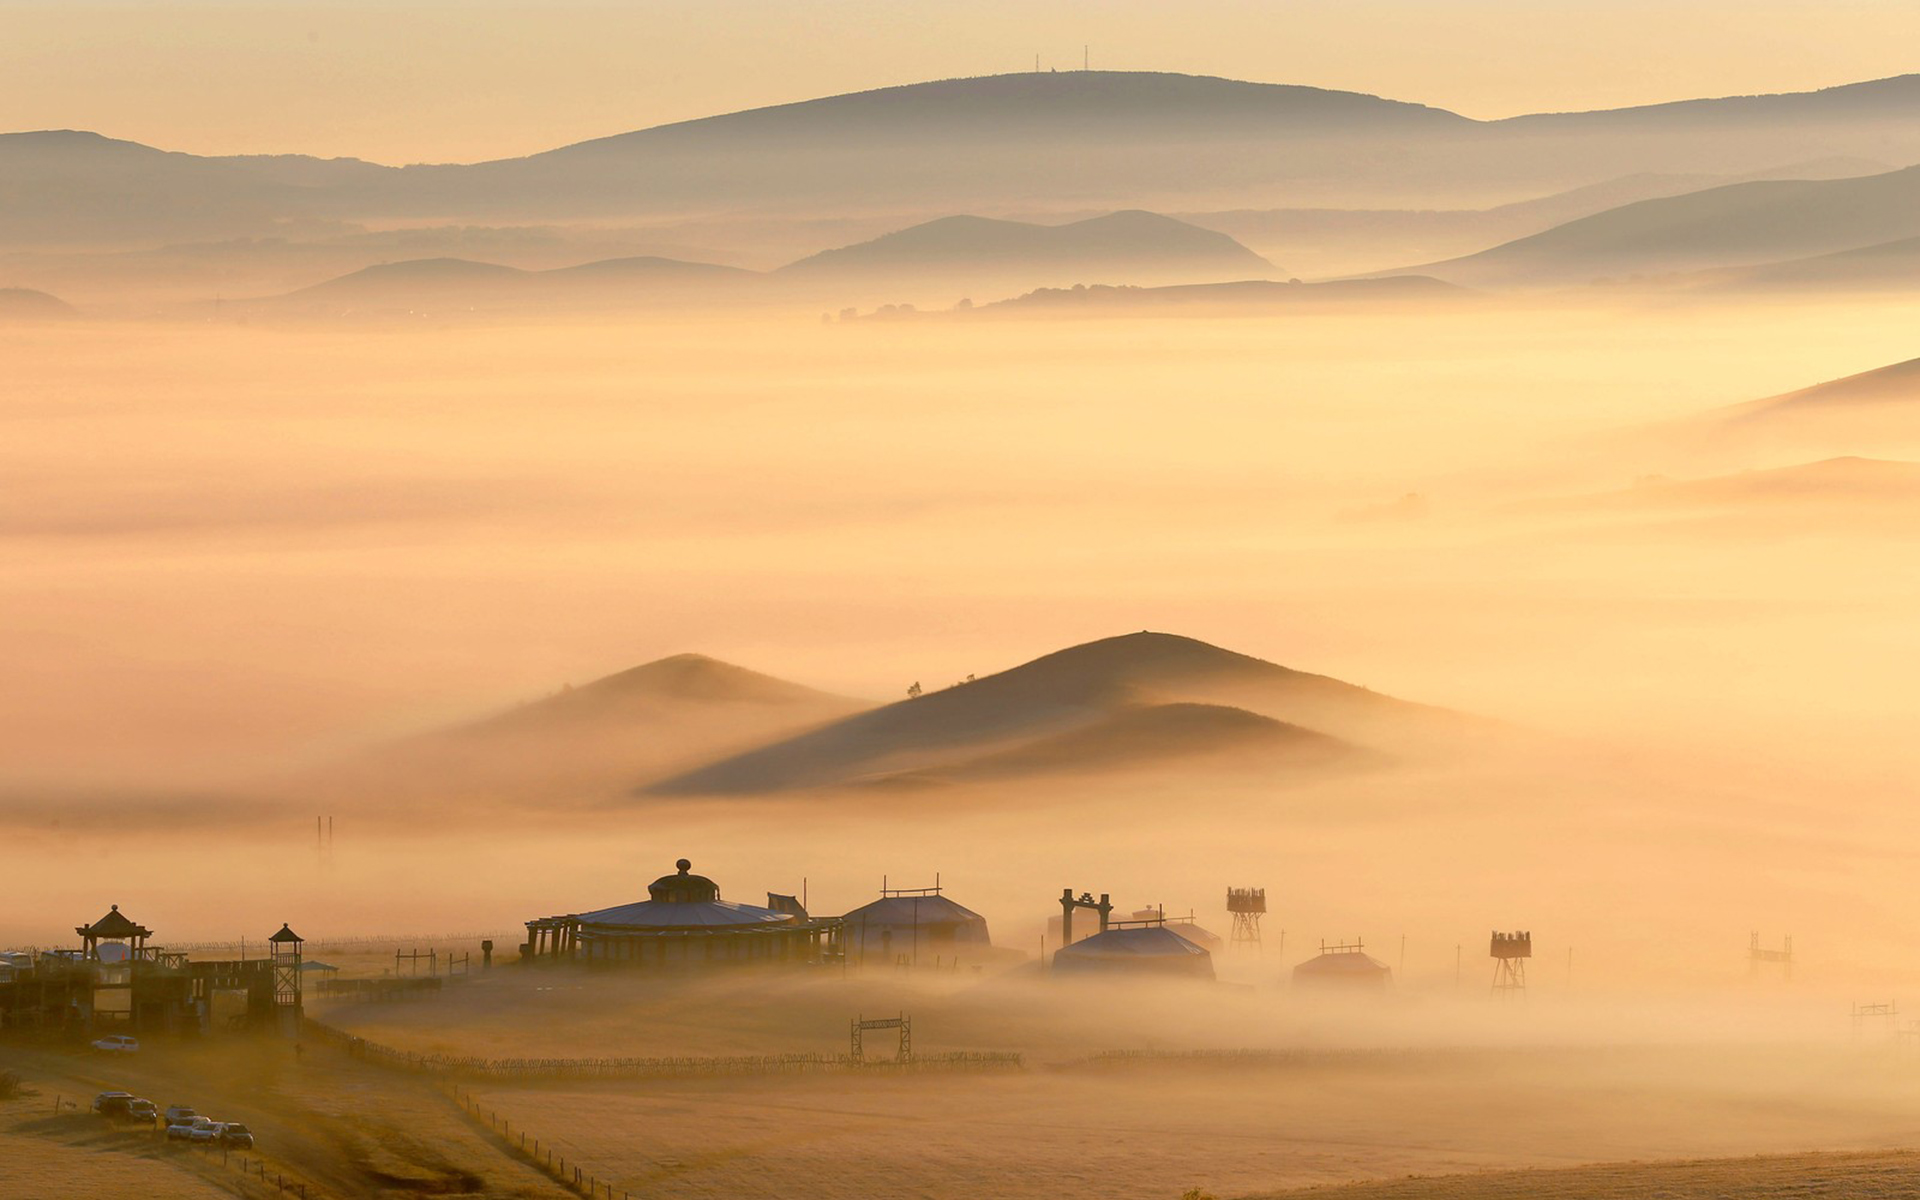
x=1072 y=694
x=1150 y=738
x=593 y=740
x=26 y=304
x=963 y=253
x=1898 y=384
x=455 y=284
x=1849 y=482
x=1885 y=266
x=1873 y=412
x=1244 y=296
x=1744 y=224
x=1130 y=246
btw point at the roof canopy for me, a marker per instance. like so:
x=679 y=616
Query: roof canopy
x=682 y=914
x=113 y=926
x=286 y=935
x=909 y=910
x=1149 y=948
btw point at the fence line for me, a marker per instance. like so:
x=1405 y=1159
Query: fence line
x=444 y=1065
x=251 y=1169
x=319 y=945
x=555 y=1165
x=1119 y=1059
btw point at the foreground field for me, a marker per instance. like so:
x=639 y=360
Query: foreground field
x=1862 y=1176
x=1417 y=1086
x=1142 y=1133
x=43 y=1162
x=324 y=1122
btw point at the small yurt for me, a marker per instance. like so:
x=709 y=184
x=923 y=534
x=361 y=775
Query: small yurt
x=1146 y=950
x=1206 y=939
x=913 y=923
x=1343 y=966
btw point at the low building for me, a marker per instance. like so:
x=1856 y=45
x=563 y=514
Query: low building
x=1147 y=949
x=1346 y=965
x=683 y=923
x=907 y=924
x=1206 y=939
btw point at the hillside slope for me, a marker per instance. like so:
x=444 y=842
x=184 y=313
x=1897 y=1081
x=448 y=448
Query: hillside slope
x=1738 y=225
x=1058 y=694
x=1149 y=739
x=1120 y=242
x=591 y=741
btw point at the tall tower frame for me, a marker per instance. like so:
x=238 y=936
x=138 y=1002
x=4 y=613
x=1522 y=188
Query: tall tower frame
x=1510 y=952
x=1247 y=905
x=285 y=948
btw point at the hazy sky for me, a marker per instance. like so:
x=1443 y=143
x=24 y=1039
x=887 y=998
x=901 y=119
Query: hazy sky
x=445 y=80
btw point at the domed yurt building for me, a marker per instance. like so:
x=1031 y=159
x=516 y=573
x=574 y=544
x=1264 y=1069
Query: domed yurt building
x=1345 y=966
x=1183 y=925
x=1145 y=949
x=910 y=923
x=683 y=923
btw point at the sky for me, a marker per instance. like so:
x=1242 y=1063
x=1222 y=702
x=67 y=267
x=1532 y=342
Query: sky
x=442 y=81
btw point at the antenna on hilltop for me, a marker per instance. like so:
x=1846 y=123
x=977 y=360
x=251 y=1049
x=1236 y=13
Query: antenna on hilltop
x=1086 y=58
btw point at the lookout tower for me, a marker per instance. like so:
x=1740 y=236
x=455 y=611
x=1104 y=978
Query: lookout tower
x=1758 y=957
x=1510 y=953
x=285 y=948
x=1247 y=905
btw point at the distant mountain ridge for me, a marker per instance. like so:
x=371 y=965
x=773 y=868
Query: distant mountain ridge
x=1061 y=141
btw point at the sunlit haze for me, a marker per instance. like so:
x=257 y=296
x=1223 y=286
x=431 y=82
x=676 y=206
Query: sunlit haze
x=968 y=602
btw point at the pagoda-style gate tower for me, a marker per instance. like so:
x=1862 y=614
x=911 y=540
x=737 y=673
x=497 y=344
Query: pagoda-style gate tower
x=1069 y=902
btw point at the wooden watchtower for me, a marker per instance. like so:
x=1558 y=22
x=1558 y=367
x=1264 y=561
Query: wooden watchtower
x=1247 y=905
x=1510 y=952
x=285 y=949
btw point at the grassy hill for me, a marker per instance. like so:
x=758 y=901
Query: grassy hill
x=1071 y=692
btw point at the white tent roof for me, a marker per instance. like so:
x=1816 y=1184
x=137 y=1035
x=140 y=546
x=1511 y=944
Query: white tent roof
x=905 y=910
x=1143 y=941
x=703 y=914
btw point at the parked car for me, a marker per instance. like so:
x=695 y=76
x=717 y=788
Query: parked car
x=198 y=1129
x=180 y=1114
x=141 y=1110
x=112 y=1104
x=236 y=1135
x=117 y=1043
